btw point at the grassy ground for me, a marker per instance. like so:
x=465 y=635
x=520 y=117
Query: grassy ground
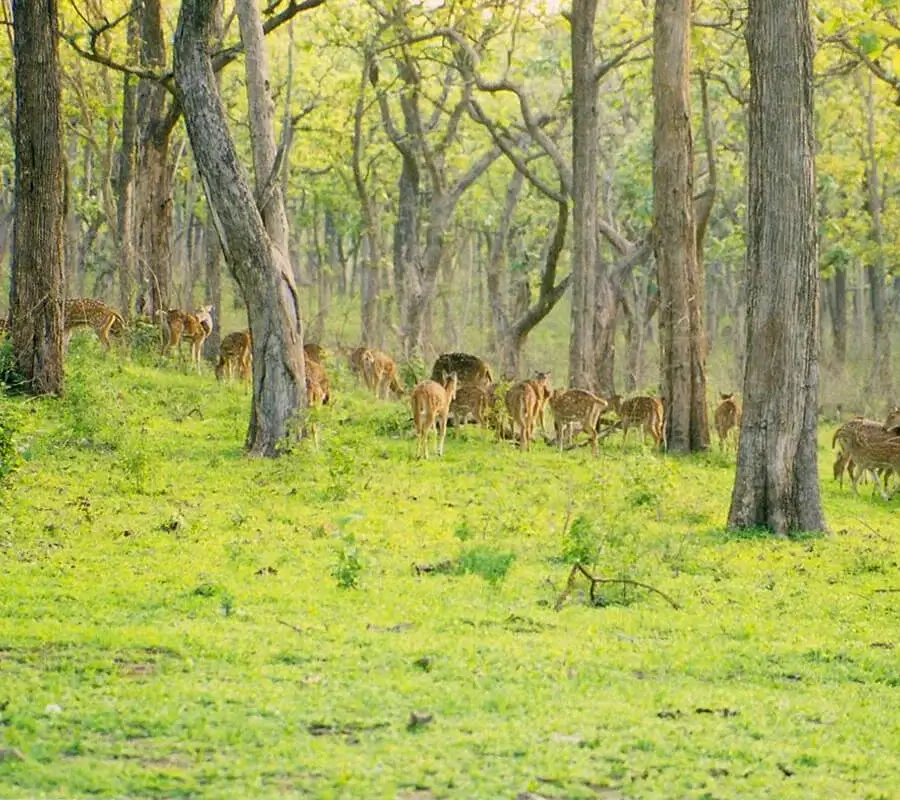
x=177 y=620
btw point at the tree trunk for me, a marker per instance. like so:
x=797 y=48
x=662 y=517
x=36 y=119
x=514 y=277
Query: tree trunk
x=604 y=333
x=261 y=270
x=777 y=484
x=682 y=339
x=36 y=289
x=125 y=185
x=839 y=314
x=881 y=379
x=584 y=194
x=153 y=192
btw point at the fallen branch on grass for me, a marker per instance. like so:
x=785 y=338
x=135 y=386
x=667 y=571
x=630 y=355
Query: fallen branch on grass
x=595 y=582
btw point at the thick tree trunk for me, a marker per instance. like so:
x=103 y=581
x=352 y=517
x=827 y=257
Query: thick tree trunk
x=777 y=485
x=682 y=339
x=36 y=290
x=584 y=195
x=267 y=285
x=153 y=192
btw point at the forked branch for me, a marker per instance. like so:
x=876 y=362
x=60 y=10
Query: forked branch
x=578 y=569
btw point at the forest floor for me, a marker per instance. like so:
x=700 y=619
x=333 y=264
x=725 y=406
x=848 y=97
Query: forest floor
x=177 y=620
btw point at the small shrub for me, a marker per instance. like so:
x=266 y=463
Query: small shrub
x=413 y=371
x=347 y=565
x=10 y=378
x=581 y=541
x=10 y=460
x=490 y=564
x=463 y=531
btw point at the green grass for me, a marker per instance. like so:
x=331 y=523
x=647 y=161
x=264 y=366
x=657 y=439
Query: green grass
x=177 y=620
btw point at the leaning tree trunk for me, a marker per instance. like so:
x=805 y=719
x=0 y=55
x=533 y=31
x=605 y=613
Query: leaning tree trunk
x=584 y=194
x=36 y=290
x=267 y=284
x=682 y=339
x=777 y=484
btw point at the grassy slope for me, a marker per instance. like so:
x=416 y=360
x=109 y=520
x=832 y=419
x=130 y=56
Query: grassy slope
x=147 y=568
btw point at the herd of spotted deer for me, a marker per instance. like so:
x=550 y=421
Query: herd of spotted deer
x=462 y=387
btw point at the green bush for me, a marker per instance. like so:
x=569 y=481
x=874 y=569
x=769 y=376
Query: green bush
x=581 y=541
x=10 y=460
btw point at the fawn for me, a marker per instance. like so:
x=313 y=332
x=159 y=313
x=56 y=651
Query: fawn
x=647 y=412
x=522 y=402
x=431 y=402
x=235 y=357
x=94 y=314
x=576 y=406
x=728 y=416
x=195 y=326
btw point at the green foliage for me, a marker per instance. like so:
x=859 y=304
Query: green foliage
x=347 y=564
x=10 y=377
x=10 y=424
x=581 y=541
x=487 y=562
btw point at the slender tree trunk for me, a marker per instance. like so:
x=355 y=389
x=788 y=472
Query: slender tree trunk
x=36 y=290
x=682 y=340
x=258 y=265
x=839 y=314
x=777 y=484
x=584 y=195
x=125 y=186
x=881 y=380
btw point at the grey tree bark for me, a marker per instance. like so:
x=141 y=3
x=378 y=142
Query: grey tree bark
x=776 y=484
x=584 y=194
x=682 y=335
x=125 y=185
x=258 y=265
x=37 y=284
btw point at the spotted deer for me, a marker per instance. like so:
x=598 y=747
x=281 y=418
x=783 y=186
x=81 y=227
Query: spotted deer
x=235 y=358
x=86 y=312
x=541 y=385
x=431 y=402
x=867 y=446
x=522 y=402
x=646 y=412
x=314 y=351
x=471 y=402
x=727 y=417
x=177 y=324
x=318 y=392
x=469 y=369
x=573 y=407
x=380 y=374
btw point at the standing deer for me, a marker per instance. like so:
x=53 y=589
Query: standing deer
x=431 y=402
x=646 y=412
x=576 y=406
x=523 y=402
x=728 y=416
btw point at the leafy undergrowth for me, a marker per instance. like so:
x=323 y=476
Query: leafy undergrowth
x=178 y=620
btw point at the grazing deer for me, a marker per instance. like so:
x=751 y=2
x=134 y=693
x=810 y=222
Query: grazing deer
x=380 y=373
x=85 y=312
x=727 y=416
x=431 y=402
x=235 y=357
x=195 y=326
x=469 y=369
x=522 y=402
x=867 y=446
x=470 y=402
x=572 y=407
x=647 y=412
